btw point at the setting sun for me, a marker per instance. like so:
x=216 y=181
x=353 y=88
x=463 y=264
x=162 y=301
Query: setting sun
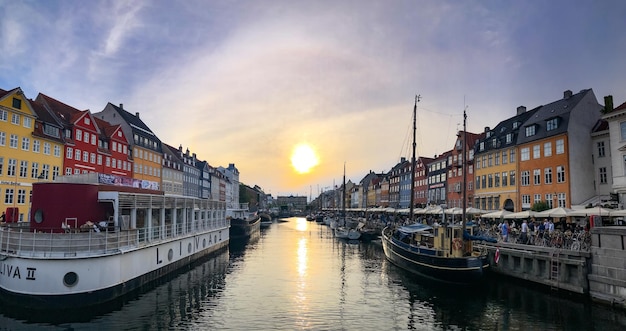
x=303 y=158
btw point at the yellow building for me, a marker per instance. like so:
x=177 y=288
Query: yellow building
x=30 y=151
x=496 y=165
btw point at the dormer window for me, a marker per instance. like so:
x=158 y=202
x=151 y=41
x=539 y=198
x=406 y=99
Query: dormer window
x=530 y=131
x=509 y=138
x=17 y=103
x=494 y=142
x=552 y=124
x=515 y=125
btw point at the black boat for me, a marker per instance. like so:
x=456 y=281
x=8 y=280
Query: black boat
x=243 y=224
x=444 y=253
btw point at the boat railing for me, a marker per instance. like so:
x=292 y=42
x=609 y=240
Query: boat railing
x=20 y=241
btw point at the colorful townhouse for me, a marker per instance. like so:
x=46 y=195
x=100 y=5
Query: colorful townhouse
x=555 y=163
x=437 y=179
x=144 y=148
x=397 y=179
x=420 y=199
x=495 y=164
x=456 y=163
x=30 y=151
x=172 y=173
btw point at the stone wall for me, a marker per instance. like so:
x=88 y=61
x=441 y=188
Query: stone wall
x=607 y=278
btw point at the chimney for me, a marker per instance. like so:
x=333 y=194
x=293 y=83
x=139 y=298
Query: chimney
x=608 y=104
x=402 y=159
x=521 y=110
x=137 y=114
x=567 y=94
x=121 y=106
x=486 y=129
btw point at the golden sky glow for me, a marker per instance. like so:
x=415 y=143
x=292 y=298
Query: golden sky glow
x=304 y=159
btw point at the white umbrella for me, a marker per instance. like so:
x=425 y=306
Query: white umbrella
x=496 y=214
x=454 y=211
x=554 y=212
x=618 y=213
x=521 y=214
x=590 y=211
x=474 y=211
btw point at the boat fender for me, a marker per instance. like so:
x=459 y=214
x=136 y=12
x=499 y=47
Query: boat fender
x=457 y=243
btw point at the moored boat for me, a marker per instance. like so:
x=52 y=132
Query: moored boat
x=243 y=223
x=444 y=253
x=93 y=238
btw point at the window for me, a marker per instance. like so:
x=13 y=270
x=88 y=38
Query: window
x=55 y=172
x=113 y=145
x=3 y=138
x=537 y=176
x=561 y=199
x=86 y=137
x=547 y=174
x=13 y=141
x=477 y=182
x=93 y=139
x=108 y=161
x=497 y=158
x=560 y=146
x=69 y=153
x=17 y=103
x=1 y=165
x=525 y=154
x=512 y=158
x=603 y=176
x=85 y=156
x=509 y=138
x=8 y=196
x=87 y=121
x=45 y=169
x=601 y=152
x=34 y=170
x=549 y=200
x=530 y=131
x=537 y=198
x=496 y=179
x=525 y=175
x=504 y=179
x=76 y=171
x=490 y=159
x=622 y=127
x=490 y=180
x=36 y=145
x=79 y=135
x=25 y=143
x=77 y=155
x=560 y=174
x=28 y=122
x=525 y=201
x=46 y=148
x=52 y=131
x=21 y=196
x=547 y=149
x=15 y=119
x=3 y=115
x=11 y=168
x=92 y=158
x=57 y=150
x=505 y=157
x=99 y=159
x=552 y=124
x=512 y=178
x=68 y=171
x=23 y=169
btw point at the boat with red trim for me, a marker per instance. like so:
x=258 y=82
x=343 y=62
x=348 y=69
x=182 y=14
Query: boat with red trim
x=93 y=238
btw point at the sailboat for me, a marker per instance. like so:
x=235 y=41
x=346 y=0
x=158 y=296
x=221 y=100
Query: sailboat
x=342 y=230
x=443 y=253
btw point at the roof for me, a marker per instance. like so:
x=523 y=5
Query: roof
x=560 y=109
x=64 y=113
x=500 y=132
x=133 y=120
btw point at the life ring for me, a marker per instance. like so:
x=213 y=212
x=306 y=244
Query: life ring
x=457 y=244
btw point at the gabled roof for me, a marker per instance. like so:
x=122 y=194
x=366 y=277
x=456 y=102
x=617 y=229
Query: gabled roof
x=560 y=109
x=134 y=121
x=107 y=129
x=66 y=114
x=502 y=130
x=620 y=107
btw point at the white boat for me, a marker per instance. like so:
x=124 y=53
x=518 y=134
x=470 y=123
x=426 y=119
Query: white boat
x=96 y=238
x=346 y=233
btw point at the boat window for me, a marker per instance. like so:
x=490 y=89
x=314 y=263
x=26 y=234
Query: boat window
x=39 y=216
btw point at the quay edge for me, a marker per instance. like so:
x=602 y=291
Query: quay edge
x=599 y=274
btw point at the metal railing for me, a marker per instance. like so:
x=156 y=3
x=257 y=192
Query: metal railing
x=20 y=241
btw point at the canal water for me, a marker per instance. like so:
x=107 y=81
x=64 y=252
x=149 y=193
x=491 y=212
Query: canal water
x=296 y=276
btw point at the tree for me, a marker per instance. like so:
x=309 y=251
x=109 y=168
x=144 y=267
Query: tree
x=540 y=206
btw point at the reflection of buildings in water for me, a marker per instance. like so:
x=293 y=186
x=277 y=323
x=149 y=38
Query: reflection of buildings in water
x=239 y=246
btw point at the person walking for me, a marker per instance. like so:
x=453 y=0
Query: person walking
x=524 y=236
x=505 y=231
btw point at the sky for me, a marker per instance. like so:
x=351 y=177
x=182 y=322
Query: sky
x=246 y=82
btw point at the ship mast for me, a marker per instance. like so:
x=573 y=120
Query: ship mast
x=464 y=166
x=417 y=99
